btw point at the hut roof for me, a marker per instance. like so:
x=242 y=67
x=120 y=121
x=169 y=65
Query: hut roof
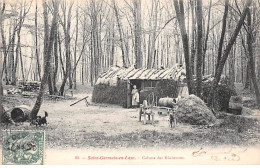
x=131 y=73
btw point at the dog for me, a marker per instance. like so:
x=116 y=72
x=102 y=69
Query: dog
x=171 y=120
x=39 y=121
x=172 y=114
x=42 y=120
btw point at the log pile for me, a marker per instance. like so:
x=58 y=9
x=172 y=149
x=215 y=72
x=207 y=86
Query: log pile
x=30 y=86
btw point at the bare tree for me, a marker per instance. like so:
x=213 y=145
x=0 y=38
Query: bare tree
x=185 y=40
x=205 y=44
x=54 y=57
x=193 y=34
x=199 y=48
x=95 y=43
x=152 y=35
x=66 y=24
x=137 y=33
x=74 y=73
x=9 y=69
x=228 y=49
x=121 y=36
x=36 y=42
x=251 y=57
x=4 y=46
x=221 y=41
x=47 y=55
x=23 y=13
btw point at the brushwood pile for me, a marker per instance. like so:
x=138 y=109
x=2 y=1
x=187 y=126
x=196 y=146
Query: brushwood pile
x=193 y=110
x=104 y=93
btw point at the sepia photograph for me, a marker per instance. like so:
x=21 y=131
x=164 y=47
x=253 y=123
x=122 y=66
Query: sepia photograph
x=127 y=82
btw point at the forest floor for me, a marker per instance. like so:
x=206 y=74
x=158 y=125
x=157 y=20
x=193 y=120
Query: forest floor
x=111 y=126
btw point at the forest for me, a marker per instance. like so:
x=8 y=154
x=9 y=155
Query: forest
x=65 y=45
x=73 y=42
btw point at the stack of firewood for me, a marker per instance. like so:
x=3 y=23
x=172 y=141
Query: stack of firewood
x=29 y=86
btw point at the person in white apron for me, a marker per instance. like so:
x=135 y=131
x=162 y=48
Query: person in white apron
x=135 y=97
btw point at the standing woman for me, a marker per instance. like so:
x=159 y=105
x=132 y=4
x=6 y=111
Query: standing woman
x=135 y=97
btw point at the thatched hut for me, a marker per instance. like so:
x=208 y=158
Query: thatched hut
x=114 y=86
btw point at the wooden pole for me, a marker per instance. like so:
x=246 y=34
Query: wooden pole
x=79 y=100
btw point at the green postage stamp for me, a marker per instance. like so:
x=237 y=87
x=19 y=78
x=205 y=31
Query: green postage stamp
x=23 y=147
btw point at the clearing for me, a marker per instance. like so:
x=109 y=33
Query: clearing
x=111 y=126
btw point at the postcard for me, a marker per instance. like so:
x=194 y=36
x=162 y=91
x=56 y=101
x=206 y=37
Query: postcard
x=129 y=82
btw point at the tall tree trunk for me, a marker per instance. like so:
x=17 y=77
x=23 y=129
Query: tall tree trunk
x=221 y=41
x=185 y=41
x=60 y=53
x=46 y=47
x=149 y=56
x=138 y=34
x=49 y=43
x=193 y=50
x=11 y=56
x=251 y=57
x=4 y=70
x=21 y=62
x=199 y=48
x=94 y=45
x=83 y=74
x=18 y=47
x=112 y=45
x=56 y=61
x=122 y=43
x=152 y=52
x=74 y=73
x=247 y=73
x=205 y=46
x=36 y=42
x=18 y=52
x=66 y=29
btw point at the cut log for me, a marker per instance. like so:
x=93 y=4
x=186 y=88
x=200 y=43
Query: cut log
x=18 y=114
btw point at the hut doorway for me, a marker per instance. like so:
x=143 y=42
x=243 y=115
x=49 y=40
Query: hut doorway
x=130 y=85
x=136 y=82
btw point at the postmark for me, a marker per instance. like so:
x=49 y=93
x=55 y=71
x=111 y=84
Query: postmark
x=23 y=147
